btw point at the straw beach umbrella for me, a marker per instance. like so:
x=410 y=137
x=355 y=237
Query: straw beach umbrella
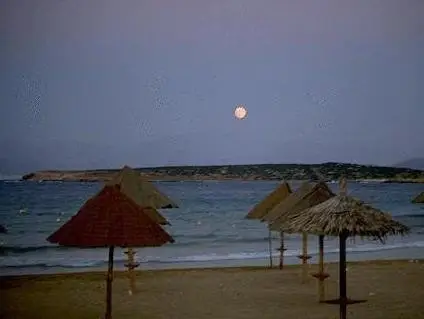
x=419 y=199
x=344 y=216
x=265 y=206
x=110 y=219
x=306 y=196
x=280 y=210
x=143 y=192
x=146 y=195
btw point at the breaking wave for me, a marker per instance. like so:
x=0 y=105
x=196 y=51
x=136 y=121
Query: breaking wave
x=213 y=257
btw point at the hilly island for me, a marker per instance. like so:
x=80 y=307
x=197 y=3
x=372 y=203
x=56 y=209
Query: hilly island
x=325 y=171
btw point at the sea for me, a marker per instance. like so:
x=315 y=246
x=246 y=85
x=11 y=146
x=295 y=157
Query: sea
x=209 y=228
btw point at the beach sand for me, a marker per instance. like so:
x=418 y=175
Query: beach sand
x=394 y=289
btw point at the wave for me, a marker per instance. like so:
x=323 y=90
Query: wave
x=367 y=248
x=181 y=241
x=193 y=240
x=4 y=250
x=213 y=257
x=225 y=240
x=63 y=263
x=288 y=253
x=15 y=250
x=10 y=178
x=80 y=264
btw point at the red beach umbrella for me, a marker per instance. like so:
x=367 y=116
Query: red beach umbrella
x=110 y=219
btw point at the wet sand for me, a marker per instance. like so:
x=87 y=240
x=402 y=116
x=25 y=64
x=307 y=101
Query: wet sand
x=393 y=289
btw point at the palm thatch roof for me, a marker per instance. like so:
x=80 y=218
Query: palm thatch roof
x=110 y=218
x=308 y=195
x=346 y=215
x=143 y=192
x=419 y=198
x=264 y=207
x=304 y=188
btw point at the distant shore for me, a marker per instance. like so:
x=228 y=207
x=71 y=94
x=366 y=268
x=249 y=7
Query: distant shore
x=328 y=172
x=153 y=178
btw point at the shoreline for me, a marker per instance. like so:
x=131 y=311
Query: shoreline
x=173 y=179
x=408 y=253
x=122 y=272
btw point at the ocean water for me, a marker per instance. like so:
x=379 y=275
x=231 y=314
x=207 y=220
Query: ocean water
x=209 y=227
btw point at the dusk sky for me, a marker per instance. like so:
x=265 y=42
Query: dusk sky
x=102 y=83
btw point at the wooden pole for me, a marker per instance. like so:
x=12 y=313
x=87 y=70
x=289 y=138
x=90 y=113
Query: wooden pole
x=131 y=275
x=321 y=275
x=342 y=276
x=321 y=288
x=343 y=186
x=282 y=250
x=270 y=247
x=305 y=257
x=342 y=260
x=109 y=280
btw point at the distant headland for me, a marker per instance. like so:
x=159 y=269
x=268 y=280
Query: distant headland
x=326 y=171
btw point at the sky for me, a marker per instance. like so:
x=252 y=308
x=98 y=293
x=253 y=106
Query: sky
x=102 y=83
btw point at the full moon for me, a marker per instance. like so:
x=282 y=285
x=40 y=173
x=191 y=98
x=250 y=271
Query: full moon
x=240 y=112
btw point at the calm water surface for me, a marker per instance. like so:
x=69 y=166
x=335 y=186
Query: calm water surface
x=209 y=227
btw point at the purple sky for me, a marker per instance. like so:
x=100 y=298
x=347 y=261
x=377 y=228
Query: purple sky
x=102 y=83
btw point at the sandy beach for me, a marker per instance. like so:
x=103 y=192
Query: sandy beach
x=393 y=289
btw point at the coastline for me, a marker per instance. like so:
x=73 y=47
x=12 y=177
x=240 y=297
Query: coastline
x=82 y=176
x=401 y=253
x=122 y=273
x=267 y=172
x=223 y=178
x=392 y=290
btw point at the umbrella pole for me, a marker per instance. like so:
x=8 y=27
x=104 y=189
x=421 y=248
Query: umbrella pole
x=109 y=285
x=321 y=275
x=304 y=257
x=131 y=265
x=282 y=250
x=342 y=276
x=321 y=269
x=270 y=247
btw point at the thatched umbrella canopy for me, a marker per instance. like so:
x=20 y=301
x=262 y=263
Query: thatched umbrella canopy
x=307 y=195
x=419 y=199
x=344 y=216
x=3 y=230
x=265 y=206
x=270 y=201
x=143 y=192
x=110 y=219
x=281 y=208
